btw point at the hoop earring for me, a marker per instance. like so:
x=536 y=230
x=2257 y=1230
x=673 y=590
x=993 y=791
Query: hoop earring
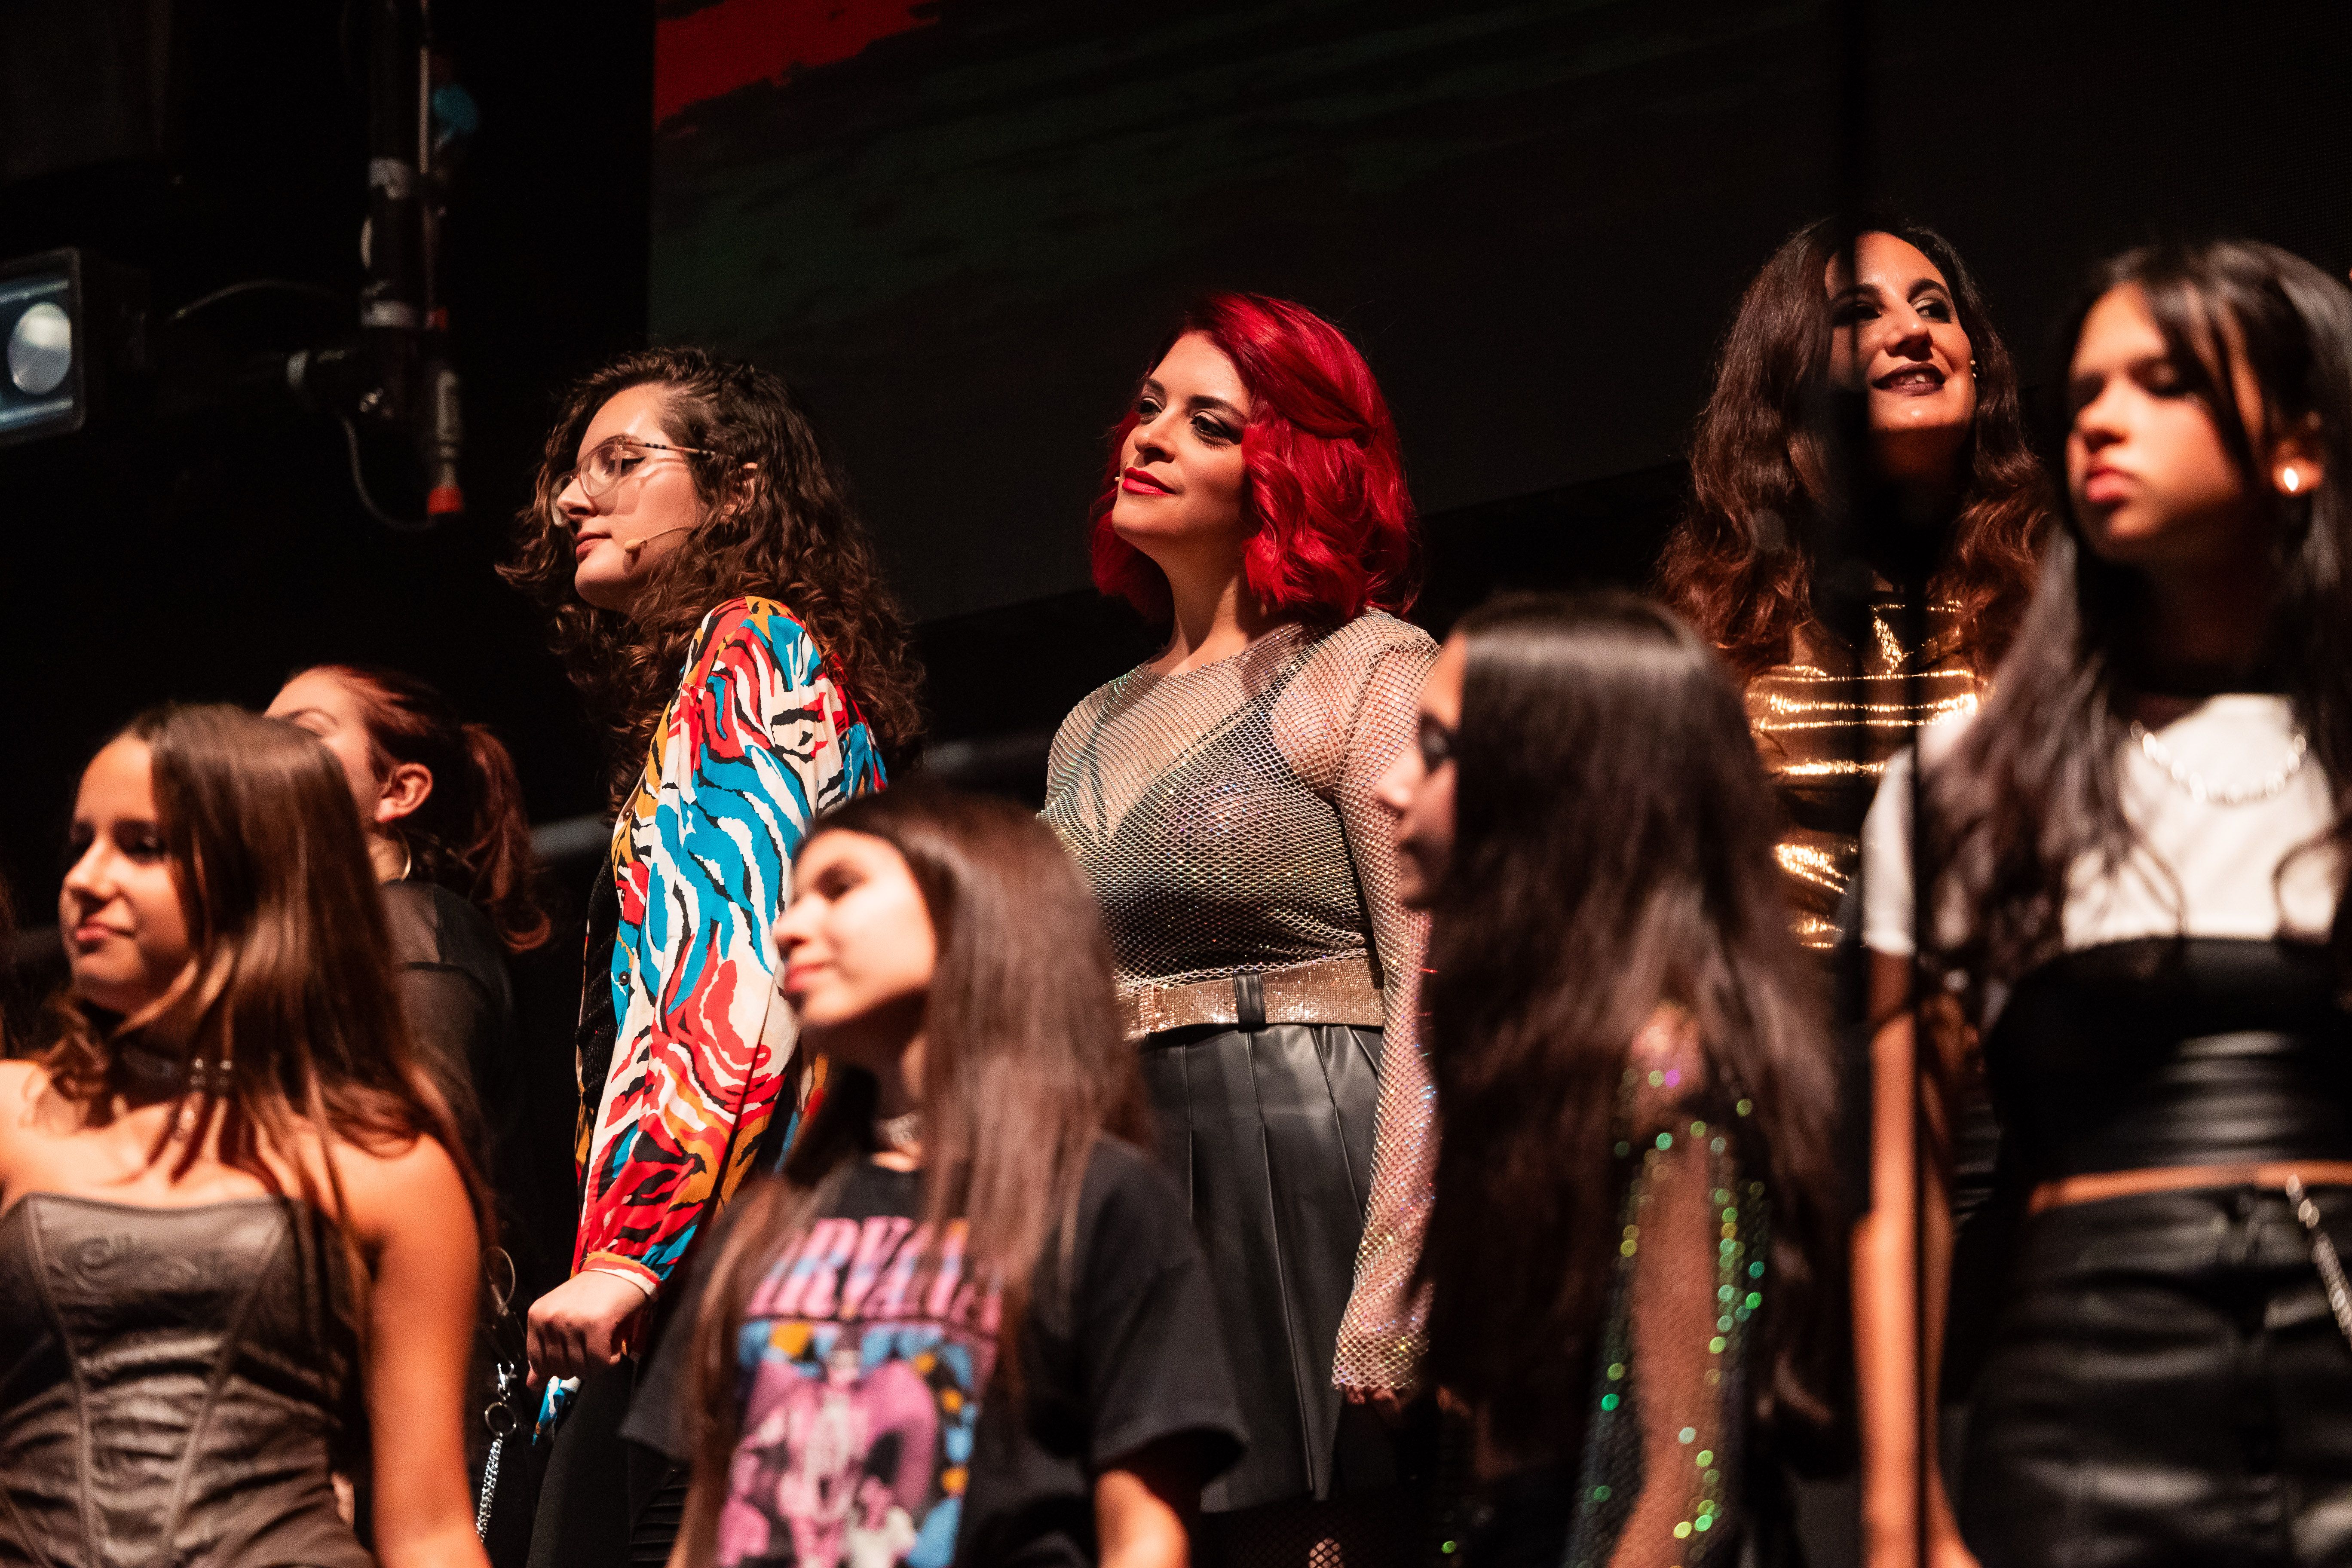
x=407 y=856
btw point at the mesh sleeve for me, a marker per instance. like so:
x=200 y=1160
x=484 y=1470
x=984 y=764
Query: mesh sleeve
x=1659 y=1482
x=1384 y=1331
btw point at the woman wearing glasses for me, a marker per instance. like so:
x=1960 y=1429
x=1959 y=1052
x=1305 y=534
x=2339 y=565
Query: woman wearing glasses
x=720 y=609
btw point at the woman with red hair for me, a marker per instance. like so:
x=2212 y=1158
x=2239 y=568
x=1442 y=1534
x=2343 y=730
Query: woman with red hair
x=1219 y=797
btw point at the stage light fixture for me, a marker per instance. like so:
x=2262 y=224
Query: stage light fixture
x=42 y=321
x=75 y=329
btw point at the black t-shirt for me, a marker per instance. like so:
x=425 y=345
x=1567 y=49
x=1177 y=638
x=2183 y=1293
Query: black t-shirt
x=878 y=1430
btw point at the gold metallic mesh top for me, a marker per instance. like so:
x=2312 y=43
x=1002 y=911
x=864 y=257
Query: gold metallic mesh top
x=1826 y=721
x=1226 y=819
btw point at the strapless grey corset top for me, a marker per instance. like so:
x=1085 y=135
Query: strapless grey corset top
x=172 y=1386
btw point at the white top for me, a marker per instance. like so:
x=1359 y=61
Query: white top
x=2197 y=869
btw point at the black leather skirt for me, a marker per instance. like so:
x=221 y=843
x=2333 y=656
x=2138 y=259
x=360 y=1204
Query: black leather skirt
x=2165 y=1384
x=1270 y=1131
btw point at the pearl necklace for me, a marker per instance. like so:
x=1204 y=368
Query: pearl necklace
x=2268 y=787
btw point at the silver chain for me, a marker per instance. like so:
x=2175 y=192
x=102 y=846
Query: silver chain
x=2323 y=1256
x=500 y=1417
x=490 y=1490
x=2267 y=788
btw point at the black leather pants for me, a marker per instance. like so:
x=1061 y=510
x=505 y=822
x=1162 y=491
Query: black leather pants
x=2166 y=1385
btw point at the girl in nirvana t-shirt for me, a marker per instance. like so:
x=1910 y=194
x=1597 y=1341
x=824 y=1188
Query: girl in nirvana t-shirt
x=970 y=1323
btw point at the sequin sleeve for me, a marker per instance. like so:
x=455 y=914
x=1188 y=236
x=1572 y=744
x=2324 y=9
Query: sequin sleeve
x=1659 y=1483
x=759 y=738
x=1384 y=1333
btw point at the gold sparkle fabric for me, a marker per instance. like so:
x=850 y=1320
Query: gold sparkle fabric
x=1825 y=722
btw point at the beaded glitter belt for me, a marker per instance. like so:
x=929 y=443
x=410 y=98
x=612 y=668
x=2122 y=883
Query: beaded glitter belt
x=1327 y=991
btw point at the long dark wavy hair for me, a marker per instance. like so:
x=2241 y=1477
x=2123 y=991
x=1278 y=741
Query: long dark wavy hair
x=783 y=530
x=291 y=1008
x=1024 y=1069
x=2033 y=788
x=1612 y=852
x=1740 y=566
x=471 y=835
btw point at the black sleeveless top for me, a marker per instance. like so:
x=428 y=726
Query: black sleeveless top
x=174 y=1387
x=2174 y=1051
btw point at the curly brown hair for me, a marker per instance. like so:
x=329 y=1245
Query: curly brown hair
x=777 y=524
x=1740 y=566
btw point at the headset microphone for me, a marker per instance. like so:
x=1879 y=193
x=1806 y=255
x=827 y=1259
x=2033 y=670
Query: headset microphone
x=636 y=547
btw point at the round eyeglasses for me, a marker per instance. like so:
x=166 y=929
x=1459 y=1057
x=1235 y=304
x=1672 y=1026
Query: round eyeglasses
x=611 y=460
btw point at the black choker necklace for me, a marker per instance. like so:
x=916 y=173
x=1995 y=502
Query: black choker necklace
x=152 y=1074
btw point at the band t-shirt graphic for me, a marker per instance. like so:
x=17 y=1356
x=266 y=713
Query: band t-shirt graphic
x=871 y=1433
x=866 y=1351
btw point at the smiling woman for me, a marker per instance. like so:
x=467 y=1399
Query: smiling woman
x=1820 y=647
x=262 y=1212
x=1021 y=1367
x=1220 y=798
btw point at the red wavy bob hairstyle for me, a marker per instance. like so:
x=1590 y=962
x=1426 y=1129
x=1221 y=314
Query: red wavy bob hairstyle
x=1336 y=531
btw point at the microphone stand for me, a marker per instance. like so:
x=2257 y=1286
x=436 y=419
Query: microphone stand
x=397 y=375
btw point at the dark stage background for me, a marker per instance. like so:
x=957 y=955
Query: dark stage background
x=964 y=239
x=961 y=227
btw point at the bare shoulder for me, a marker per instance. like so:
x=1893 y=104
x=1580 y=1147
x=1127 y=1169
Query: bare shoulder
x=400 y=1187
x=23 y=1086
x=22 y=1082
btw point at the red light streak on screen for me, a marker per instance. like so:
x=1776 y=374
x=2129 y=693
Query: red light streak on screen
x=711 y=52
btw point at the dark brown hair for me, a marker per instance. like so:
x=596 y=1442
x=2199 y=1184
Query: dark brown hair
x=1612 y=853
x=1024 y=1069
x=2033 y=789
x=782 y=529
x=1740 y=566
x=291 y=1012
x=470 y=835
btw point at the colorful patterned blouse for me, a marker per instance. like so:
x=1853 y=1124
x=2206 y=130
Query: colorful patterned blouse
x=759 y=738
